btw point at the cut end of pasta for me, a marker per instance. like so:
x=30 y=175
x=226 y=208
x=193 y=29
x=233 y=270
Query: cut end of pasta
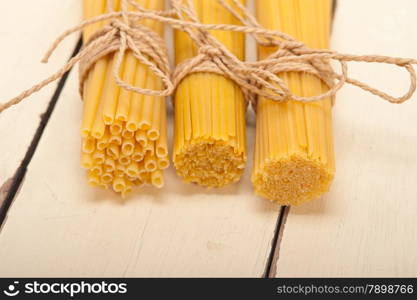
x=292 y=181
x=210 y=109
x=131 y=127
x=121 y=162
x=153 y=135
x=210 y=163
x=122 y=130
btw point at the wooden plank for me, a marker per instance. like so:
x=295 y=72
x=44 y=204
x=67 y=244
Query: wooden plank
x=58 y=226
x=366 y=225
x=26 y=33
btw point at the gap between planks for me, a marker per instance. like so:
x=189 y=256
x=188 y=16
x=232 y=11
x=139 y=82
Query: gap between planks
x=271 y=265
x=11 y=187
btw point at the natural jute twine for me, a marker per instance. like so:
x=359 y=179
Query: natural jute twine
x=256 y=79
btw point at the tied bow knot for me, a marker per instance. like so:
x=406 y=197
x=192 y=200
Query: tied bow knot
x=256 y=79
x=120 y=36
x=261 y=78
x=210 y=51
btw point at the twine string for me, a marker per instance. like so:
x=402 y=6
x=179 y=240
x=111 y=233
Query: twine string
x=261 y=79
x=120 y=35
x=256 y=79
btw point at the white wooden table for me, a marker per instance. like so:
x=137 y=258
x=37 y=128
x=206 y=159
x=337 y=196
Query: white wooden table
x=26 y=34
x=58 y=226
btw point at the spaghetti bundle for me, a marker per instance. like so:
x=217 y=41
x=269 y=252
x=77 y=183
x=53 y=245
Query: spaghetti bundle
x=210 y=140
x=124 y=133
x=294 y=159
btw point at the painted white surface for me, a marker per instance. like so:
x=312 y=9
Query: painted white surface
x=59 y=226
x=366 y=225
x=27 y=29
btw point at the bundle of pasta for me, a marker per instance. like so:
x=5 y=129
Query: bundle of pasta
x=294 y=159
x=124 y=133
x=210 y=141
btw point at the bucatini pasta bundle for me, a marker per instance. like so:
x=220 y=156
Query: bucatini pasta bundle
x=294 y=159
x=124 y=133
x=210 y=141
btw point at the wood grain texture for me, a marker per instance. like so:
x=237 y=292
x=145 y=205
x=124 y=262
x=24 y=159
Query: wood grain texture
x=366 y=225
x=4 y=190
x=26 y=31
x=59 y=226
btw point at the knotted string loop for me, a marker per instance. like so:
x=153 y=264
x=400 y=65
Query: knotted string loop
x=256 y=79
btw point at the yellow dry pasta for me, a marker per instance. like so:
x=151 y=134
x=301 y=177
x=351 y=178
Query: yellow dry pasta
x=210 y=141
x=106 y=178
x=115 y=140
x=109 y=165
x=157 y=178
x=294 y=159
x=86 y=160
x=88 y=145
x=120 y=126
